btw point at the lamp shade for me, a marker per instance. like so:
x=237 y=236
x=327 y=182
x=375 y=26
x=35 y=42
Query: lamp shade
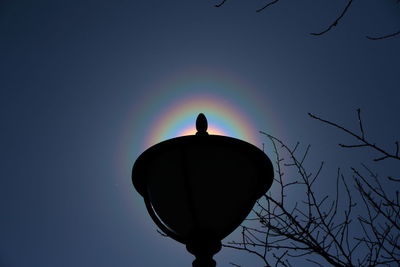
x=201 y=186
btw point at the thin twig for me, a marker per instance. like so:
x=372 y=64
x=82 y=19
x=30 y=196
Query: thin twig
x=393 y=179
x=364 y=142
x=335 y=23
x=267 y=5
x=220 y=4
x=375 y=38
x=360 y=123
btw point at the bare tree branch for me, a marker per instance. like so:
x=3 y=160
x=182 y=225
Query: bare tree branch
x=394 y=179
x=335 y=23
x=361 y=138
x=325 y=229
x=300 y=231
x=360 y=123
x=383 y=36
x=220 y=4
x=267 y=5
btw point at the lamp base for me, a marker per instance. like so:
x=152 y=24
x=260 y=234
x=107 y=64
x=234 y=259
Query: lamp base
x=203 y=250
x=204 y=262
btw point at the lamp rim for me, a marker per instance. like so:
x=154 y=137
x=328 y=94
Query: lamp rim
x=183 y=142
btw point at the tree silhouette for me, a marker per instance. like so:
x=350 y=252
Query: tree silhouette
x=356 y=224
x=334 y=23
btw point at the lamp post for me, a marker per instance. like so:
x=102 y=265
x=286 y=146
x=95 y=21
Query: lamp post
x=199 y=188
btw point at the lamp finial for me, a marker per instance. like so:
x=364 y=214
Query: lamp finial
x=201 y=124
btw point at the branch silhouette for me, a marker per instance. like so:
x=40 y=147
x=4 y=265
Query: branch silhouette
x=361 y=137
x=335 y=22
x=357 y=223
x=220 y=4
x=374 y=38
x=267 y=5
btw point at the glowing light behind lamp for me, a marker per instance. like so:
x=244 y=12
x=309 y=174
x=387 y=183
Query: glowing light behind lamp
x=169 y=107
x=223 y=119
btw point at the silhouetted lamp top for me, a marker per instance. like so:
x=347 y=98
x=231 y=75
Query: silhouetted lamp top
x=199 y=188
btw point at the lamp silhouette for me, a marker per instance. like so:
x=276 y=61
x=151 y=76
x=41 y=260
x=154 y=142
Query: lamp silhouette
x=199 y=188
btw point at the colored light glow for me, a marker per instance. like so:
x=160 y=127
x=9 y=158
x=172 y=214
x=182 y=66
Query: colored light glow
x=179 y=119
x=211 y=130
x=169 y=107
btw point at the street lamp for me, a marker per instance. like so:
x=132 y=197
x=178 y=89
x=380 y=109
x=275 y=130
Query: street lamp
x=199 y=188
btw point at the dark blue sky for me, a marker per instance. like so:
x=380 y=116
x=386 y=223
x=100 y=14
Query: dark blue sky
x=72 y=72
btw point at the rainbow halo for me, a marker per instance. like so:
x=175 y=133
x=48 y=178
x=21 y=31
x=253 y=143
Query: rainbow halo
x=179 y=119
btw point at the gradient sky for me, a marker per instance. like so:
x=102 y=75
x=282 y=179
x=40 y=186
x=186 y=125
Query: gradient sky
x=85 y=84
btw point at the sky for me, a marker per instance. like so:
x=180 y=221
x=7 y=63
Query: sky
x=86 y=86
